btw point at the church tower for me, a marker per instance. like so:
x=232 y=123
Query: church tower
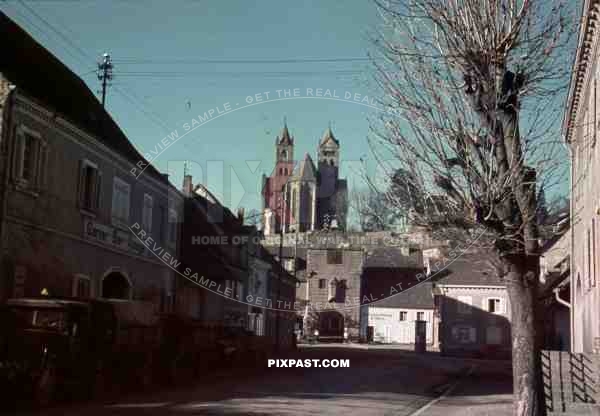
x=331 y=200
x=275 y=204
x=284 y=152
x=329 y=150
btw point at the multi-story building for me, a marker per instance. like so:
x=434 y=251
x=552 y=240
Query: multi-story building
x=393 y=282
x=472 y=306
x=580 y=131
x=299 y=196
x=333 y=285
x=215 y=259
x=74 y=220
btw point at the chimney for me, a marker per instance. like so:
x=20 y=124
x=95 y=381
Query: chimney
x=240 y=214
x=187 y=185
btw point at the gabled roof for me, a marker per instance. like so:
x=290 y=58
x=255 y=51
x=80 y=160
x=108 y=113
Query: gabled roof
x=327 y=136
x=392 y=257
x=467 y=269
x=285 y=137
x=305 y=170
x=417 y=297
x=34 y=70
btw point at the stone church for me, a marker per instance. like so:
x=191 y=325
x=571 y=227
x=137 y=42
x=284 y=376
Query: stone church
x=299 y=196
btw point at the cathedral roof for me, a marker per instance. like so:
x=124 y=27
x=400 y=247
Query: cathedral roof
x=328 y=136
x=305 y=170
x=285 y=137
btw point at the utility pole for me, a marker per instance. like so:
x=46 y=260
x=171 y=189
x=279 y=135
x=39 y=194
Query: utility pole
x=105 y=74
x=282 y=221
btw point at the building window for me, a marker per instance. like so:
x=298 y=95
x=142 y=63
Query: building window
x=593 y=252
x=163 y=215
x=89 y=186
x=147 y=213
x=19 y=281
x=403 y=316
x=464 y=334
x=172 y=226
x=82 y=287
x=335 y=257
x=30 y=158
x=420 y=316
x=464 y=304
x=322 y=283
x=494 y=305
x=236 y=289
x=333 y=290
x=120 y=202
x=589 y=259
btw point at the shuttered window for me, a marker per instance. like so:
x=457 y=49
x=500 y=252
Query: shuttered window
x=90 y=180
x=120 y=202
x=30 y=159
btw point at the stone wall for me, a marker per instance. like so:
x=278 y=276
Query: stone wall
x=349 y=270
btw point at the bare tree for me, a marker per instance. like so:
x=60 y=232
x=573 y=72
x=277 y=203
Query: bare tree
x=372 y=211
x=473 y=92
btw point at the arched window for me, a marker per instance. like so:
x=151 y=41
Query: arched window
x=283 y=155
x=116 y=286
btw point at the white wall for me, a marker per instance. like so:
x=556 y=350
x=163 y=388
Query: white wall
x=389 y=329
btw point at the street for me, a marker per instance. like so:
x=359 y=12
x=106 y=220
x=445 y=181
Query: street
x=378 y=382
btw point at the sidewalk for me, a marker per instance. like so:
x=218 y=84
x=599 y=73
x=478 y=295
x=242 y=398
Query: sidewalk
x=403 y=347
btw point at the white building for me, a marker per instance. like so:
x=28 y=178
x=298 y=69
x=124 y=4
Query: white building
x=393 y=320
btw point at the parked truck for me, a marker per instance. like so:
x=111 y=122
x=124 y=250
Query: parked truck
x=54 y=348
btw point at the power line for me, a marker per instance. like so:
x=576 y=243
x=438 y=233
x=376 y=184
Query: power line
x=137 y=61
x=152 y=116
x=59 y=33
x=82 y=53
x=233 y=73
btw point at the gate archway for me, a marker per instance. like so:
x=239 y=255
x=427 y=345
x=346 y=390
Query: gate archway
x=116 y=285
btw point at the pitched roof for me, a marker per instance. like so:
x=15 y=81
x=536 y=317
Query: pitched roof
x=285 y=137
x=393 y=257
x=305 y=170
x=468 y=269
x=328 y=135
x=34 y=70
x=417 y=297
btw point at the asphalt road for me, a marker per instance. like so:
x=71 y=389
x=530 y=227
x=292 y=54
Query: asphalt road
x=378 y=382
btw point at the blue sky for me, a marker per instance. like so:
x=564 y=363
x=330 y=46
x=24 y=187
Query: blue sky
x=160 y=81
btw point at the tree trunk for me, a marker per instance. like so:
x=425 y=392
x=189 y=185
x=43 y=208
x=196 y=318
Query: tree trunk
x=528 y=386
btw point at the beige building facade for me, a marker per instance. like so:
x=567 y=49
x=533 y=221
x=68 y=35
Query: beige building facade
x=581 y=125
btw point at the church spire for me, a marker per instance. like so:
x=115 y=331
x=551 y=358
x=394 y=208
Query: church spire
x=285 y=137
